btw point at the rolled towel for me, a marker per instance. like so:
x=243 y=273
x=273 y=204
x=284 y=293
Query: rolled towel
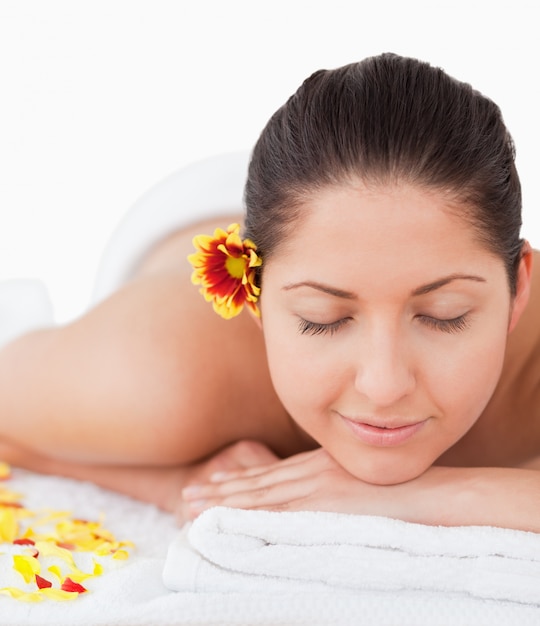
x=229 y=550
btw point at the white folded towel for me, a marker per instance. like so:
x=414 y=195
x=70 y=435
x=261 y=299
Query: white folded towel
x=229 y=550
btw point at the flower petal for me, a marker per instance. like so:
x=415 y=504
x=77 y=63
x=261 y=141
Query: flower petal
x=9 y=527
x=42 y=583
x=24 y=541
x=19 y=594
x=72 y=586
x=27 y=566
x=56 y=536
x=58 y=594
x=54 y=569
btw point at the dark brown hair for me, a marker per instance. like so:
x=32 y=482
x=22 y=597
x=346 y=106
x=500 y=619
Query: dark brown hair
x=383 y=120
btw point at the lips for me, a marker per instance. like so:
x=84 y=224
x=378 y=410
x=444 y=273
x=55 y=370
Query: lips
x=383 y=435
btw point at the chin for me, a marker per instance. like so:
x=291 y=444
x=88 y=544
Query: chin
x=390 y=473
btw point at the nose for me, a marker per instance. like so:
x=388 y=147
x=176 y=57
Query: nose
x=384 y=371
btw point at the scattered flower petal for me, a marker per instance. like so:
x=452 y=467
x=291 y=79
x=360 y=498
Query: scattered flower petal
x=120 y=555
x=58 y=594
x=24 y=541
x=9 y=526
x=71 y=585
x=51 y=539
x=54 y=569
x=27 y=566
x=42 y=583
x=19 y=594
x=48 y=548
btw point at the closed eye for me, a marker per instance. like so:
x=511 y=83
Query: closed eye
x=306 y=327
x=453 y=325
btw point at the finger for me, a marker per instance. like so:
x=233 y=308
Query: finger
x=279 y=496
x=304 y=466
x=223 y=476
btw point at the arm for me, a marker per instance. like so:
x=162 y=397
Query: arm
x=158 y=485
x=447 y=496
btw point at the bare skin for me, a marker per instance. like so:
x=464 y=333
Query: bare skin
x=121 y=396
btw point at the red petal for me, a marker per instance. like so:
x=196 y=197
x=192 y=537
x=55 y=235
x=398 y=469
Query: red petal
x=24 y=542
x=65 y=545
x=42 y=583
x=70 y=585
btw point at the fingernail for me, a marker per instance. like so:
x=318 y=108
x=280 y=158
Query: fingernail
x=191 y=491
x=217 y=477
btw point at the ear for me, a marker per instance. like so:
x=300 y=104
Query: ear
x=523 y=286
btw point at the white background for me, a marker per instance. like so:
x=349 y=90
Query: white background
x=101 y=99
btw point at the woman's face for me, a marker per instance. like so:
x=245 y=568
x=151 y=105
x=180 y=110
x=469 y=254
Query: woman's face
x=385 y=323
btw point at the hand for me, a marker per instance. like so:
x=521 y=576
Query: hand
x=307 y=481
x=158 y=485
x=234 y=459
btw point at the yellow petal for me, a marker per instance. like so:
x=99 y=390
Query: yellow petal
x=18 y=594
x=78 y=576
x=48 y=548
x=54 y=569
x=121 y=555
x=234 y=240
x=56 y=534
x=58 y=594
x=9 y=526
x=27 y=566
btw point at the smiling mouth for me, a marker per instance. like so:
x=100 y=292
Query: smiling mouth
x=383 y=436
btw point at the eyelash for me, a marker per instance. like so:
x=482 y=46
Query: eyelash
x=454 y=325
x=312 y=328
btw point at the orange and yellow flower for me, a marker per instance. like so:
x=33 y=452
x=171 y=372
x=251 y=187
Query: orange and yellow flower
x=224 y=266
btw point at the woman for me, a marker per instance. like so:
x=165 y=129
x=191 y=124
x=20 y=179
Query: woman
x=394 y=369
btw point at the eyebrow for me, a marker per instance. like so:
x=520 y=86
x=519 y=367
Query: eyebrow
x=333 y=291
x=437 y=284
x=419 y=291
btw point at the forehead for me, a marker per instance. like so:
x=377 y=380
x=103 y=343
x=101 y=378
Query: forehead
x=383 y=209
x=401 y=226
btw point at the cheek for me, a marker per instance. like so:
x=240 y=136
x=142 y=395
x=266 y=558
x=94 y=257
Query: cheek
x=302 y=380
x=462 y=382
